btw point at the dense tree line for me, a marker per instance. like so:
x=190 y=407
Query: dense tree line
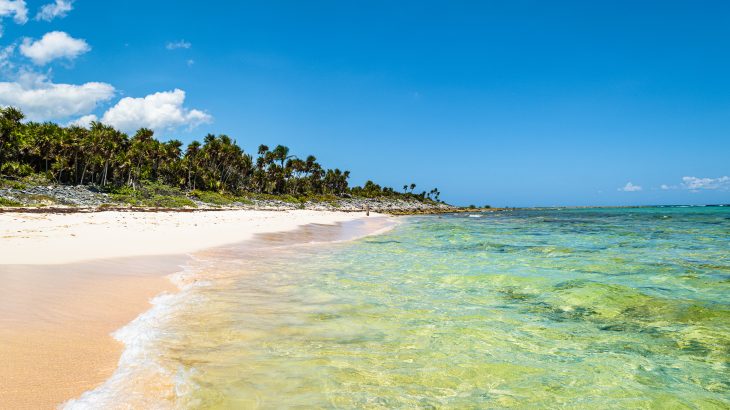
x=107 y=157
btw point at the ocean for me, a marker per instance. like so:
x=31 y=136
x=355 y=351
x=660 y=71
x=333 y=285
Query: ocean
x=569 y=308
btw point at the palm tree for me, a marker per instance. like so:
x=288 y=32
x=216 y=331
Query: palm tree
x=191 y=158
x=281 y=154
x=142 y=144
x=9 y=122
x=170 y=162
x=103 y=155
x=76 y=135
x=108 y=141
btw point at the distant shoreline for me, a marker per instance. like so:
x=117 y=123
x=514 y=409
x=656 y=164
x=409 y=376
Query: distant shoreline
x=622 y=206
x=83 y=199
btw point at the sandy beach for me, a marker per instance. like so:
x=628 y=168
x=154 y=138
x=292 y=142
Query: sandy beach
x=62 y=238
x=70 y=280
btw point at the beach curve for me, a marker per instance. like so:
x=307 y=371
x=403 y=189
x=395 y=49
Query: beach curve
x=57 y=290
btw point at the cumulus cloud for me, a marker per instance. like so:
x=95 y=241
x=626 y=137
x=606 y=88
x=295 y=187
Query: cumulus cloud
x=175 y=45
x=52 y=10
x=696 y=184
x=15 y=8
x=158 y=111
x=41 y=99
x=53 y=45
x=83 y=121
x=630 y=187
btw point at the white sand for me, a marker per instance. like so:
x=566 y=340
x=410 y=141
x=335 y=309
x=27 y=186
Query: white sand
x=62 y=238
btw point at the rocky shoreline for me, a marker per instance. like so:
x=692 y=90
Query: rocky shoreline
x=67 y=199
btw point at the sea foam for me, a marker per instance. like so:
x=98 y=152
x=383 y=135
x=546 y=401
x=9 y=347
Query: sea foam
x=143 y=379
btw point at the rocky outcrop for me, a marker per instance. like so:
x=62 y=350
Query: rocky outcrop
x=80 y=196
x=89 y=198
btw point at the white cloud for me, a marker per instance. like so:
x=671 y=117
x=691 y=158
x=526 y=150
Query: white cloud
x=5 y=54
x=696 y=184
x=15 y=8
x=84 y=121
x=53 y=45
x=174 y=45
x=158 y=111
x=630 y=187
x=190 y=62
x=52 y=10
x=42 y=100
x=665 y=187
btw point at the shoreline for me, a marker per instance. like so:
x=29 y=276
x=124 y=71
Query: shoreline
x=57 y=321
x=58 y=312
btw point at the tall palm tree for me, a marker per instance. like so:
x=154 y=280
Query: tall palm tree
x=9 y=123
x=281 y=154
x=191 y=158
x=103 y=155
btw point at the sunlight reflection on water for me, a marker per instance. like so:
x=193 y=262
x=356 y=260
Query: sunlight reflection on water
x=574 y=308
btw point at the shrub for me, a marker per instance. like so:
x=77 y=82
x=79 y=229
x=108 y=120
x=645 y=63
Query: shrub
x=210 y=197
x=152 y=194
x=9 y=202
x=167 y=201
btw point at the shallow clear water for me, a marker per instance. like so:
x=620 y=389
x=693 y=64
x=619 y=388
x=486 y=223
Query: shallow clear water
x=601 y=308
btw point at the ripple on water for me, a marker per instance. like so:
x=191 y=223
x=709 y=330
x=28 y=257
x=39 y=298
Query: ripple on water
x=555 y=308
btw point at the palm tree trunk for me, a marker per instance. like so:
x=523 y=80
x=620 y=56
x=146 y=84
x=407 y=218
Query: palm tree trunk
x=2 y=144
x=83 y=174
x=106 y=169
x=76 y=165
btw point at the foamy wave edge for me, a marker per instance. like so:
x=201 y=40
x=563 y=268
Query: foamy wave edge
x=140 y=362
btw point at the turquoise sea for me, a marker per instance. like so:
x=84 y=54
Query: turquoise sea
x=571 y=308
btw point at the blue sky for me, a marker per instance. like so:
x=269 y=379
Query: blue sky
x=504 y=103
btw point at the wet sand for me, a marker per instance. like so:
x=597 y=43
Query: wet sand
x=55 y=324
x=56 y=320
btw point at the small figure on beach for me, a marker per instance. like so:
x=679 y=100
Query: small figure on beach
x=367 y=210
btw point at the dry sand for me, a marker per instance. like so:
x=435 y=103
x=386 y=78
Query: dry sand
x=62 y=238
x=69 y=280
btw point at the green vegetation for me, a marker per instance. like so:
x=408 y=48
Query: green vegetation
x=9 y=202
x=31 y=200
x=217 y=198
x=152 y=195
x=214 y=198
x=23 y=182
x=146 y=172
x=8 y=183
